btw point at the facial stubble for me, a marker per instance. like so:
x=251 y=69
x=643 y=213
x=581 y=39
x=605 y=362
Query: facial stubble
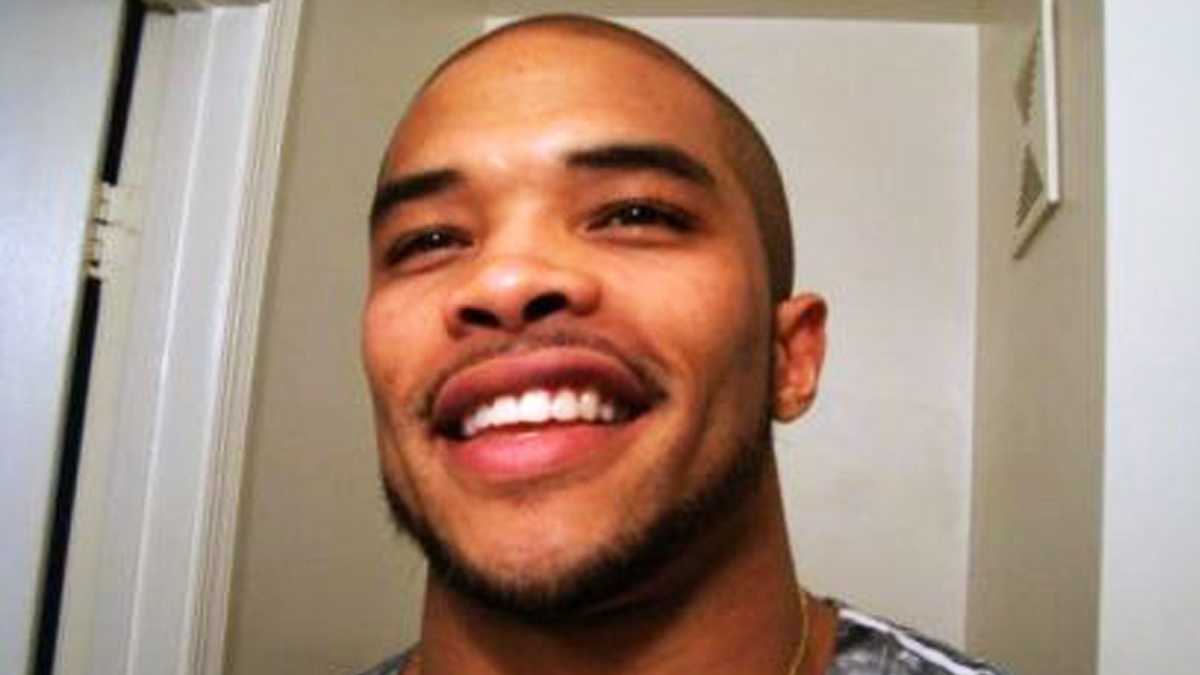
x=632 y=561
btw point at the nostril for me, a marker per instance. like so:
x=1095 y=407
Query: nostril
x=544 y=305
x=478 y=317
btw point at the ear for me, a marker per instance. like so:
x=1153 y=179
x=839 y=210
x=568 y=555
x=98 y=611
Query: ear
x=799 y=351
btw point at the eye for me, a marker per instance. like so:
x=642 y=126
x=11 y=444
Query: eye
x=643 y=214
x=418 y=248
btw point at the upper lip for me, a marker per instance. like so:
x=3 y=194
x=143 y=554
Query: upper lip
x=545 y=367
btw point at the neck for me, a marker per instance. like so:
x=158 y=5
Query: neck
x=737 y=610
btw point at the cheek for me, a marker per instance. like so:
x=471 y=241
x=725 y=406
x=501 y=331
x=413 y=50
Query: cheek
x=396 y=315
x=709 y=321
x=707 y=310
x=391 y=342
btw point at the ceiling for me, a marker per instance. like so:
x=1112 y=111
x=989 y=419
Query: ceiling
x=956 y=11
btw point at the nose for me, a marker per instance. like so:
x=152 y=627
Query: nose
x=509 y=293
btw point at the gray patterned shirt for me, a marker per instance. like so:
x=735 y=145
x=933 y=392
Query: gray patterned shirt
x=865 y=646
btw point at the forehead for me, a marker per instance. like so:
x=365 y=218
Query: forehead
x=543 y=90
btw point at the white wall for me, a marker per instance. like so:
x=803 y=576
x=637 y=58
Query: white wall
x=1150 y=588
x=874 y=126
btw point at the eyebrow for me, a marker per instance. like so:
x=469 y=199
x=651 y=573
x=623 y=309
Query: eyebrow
x=643 y=156
x=612 y=156
x=412 y=187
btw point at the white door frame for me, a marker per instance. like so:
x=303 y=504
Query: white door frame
x=148 y=592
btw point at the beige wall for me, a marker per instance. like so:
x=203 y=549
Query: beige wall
x=1039 y=380
x=320 y=573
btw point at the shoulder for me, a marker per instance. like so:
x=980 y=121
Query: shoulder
x=867 y=645
x=393 y=666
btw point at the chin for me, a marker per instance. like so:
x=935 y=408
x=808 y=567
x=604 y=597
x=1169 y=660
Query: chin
x=567 y=580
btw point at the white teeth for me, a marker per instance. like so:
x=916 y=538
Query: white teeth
x=535 y=406
x=589 y=405
x=477 y=420
x=538 y=406
x=565 y=406
x=505 y=410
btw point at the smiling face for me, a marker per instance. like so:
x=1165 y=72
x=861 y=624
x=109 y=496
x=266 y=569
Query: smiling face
x=567 y=333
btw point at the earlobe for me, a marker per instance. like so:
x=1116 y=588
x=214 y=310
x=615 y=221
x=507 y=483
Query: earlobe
x=799 y=351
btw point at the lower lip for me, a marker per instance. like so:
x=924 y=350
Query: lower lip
x=519 y=455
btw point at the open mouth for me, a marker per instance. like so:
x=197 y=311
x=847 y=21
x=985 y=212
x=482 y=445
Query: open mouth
x=543 y=389
x=541 y=407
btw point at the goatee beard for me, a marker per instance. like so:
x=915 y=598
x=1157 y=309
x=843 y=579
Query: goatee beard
x=633 y=560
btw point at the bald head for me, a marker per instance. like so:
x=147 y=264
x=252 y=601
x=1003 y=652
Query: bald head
x=741 y=143
x=568 y=205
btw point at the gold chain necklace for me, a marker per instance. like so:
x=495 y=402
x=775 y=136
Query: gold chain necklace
x=414 y=666
x=798 y=659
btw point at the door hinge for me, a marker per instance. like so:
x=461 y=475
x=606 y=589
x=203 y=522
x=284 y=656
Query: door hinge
x=111 y=230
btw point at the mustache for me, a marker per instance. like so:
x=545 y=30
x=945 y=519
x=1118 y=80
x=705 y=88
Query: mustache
x=641 y=368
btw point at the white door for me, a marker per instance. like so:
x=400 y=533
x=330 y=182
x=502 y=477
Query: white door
x=57 y=61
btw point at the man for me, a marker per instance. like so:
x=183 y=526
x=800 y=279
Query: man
x=579 y=325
